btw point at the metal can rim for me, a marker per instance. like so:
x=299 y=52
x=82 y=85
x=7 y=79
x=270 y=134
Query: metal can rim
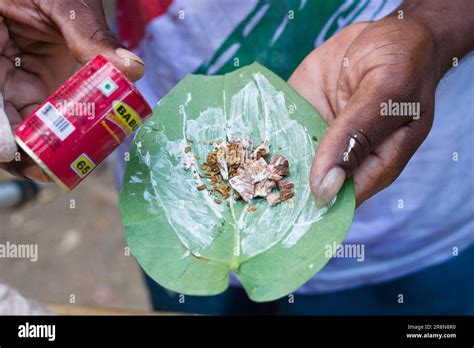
x=41 y=164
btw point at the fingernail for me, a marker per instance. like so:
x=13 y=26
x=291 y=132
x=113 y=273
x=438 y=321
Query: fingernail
x=329 y=186
x=8 y=148
x=127 y=55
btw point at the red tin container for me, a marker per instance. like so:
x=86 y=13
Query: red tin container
x=81 y=123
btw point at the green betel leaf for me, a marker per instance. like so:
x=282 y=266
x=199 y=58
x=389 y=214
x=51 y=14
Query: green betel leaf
x=188 y=243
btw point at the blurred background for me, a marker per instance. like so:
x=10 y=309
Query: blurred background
x=82 y=260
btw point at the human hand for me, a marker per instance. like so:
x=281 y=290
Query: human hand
x=41 y=44
x=348 y=79
x=369 y=69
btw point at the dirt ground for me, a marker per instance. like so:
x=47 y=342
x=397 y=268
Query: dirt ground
x=81 y=247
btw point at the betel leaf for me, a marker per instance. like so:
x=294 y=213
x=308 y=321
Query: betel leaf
x=188 y=243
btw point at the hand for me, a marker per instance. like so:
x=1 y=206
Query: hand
x=41 y=44
x=348 y=80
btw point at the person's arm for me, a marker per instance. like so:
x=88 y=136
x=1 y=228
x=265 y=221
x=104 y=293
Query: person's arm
x=451 y=22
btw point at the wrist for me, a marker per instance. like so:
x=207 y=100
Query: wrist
x=450 y=22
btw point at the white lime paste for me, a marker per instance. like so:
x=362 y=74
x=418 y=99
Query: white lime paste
x=193 y=214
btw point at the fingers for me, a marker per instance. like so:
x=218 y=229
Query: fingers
x=353 y=135
x=7 y=142
x=21 y=90
x=24 y=32
x=87 y=34
x=34 y=172
x=386 y=162
x=22 y=166
x=26 y=168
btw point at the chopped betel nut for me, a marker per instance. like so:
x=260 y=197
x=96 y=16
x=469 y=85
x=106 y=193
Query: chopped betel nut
x=244 y=186
x=239 y=169
x=264 y=187
x=251 y=208
x=273 y=198
x=279 y=165
x=223 y=190
x=286 y=195
x=286 y=190
x=262 y=150
x=285 y=185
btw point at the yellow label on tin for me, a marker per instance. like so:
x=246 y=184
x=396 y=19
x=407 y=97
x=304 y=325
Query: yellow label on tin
x=83 y=165
x=125 y=117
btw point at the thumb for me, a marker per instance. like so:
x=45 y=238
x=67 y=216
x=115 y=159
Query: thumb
x=354 y=134
x=85 y=30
